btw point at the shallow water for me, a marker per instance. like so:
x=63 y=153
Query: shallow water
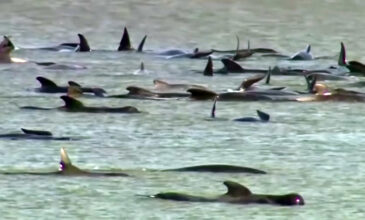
x=314 y=149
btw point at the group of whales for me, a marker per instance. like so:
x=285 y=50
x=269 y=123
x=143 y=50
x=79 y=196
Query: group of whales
x=236 y=193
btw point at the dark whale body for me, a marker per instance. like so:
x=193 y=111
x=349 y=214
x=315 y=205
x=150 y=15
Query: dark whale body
x=66 y=168
x=34 y=135
x=237 y=194
x=73 y=105
x=218 y=168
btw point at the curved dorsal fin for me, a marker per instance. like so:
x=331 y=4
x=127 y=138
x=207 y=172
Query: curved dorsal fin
x=64 y=157
x=7 y=43
x=208 y=71
x=308 y=48
x=342 y=57
x=84 y=45
x=125 y=43
x=212 y=114
x=74 y=90
x=247 y=83
x=36 y=132
x=236 y=189
x=159 y=84
x=71 y=103
x=231 y=66
x=46 y=82
x=263 y=116
x=140 y=46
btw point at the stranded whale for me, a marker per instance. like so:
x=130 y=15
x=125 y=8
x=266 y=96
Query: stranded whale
x=237 y=194
x=34 y=135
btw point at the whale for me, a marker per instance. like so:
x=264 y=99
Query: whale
x=135 y=92
x=161 y=85
x=218 y=168
x=48 y=86
x=82 y=46
x=263 y=117
x=303 y=54
x=74 y=105
x=237 y=194
x=6 y=47
x=66 y=168
x=125 y=42
x=178 y=53
x=34 y=135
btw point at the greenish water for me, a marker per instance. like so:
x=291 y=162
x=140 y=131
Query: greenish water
x=314 y=149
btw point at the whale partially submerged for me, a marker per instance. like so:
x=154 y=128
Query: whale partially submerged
x=237 y=194
x=73 y=105
x=218 y=168
x=66 y=168
x=48 y=86
x=28 y=134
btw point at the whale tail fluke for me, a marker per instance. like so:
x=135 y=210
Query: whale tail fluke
x=46 y=82
x=125 y=43
x=263 y=116
x=342 y=57
x=208 y=71
x=247 y=83
x=84 y=45
x=140 y=46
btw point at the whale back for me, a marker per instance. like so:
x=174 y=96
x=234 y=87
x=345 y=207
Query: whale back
x=202 y=94
x=208 y=71
x=125 y=43
x=36 y=132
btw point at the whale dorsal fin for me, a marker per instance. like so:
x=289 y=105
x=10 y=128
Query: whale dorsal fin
x=308 y=48
x=74 y=89
x=263 y=116
x=231 y=66
x=268 y=75
x=71 y=103
x=140 y=46
x=125 y=43
x=208 y=71
x=212 y=114
x=66 y=166
x=46 y=82
x=7 y=43
x=247 y=83
x=236 y=189
x=238 y=44
x=141 y=68
x=342 y=57
x=84 y=45
x=36 y=132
